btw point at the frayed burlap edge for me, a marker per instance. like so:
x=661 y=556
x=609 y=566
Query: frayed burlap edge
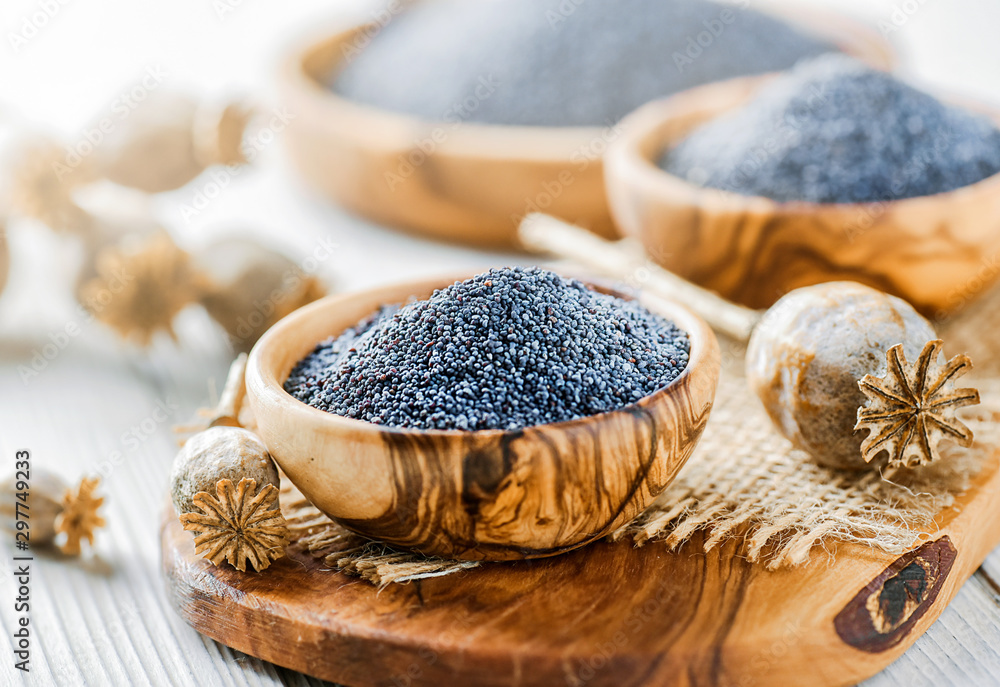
x=343 y=550
x=744 y=481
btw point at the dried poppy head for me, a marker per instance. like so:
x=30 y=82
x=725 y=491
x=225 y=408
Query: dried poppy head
x=808 y=353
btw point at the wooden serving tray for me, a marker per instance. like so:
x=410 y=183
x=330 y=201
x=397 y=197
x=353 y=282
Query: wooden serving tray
x=609 y=614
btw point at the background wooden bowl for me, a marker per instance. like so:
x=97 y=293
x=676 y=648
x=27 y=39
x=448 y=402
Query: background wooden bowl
x=934 y=251
x=473 y=183
x=487 y=495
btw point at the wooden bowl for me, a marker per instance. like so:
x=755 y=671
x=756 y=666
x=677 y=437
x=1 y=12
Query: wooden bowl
x=472 y=183
x=933 y=251
x=485 y=495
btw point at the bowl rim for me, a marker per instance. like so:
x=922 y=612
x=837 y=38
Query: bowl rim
x=474 y=140
x=550 y=144
x=264 y=386
x=645 y=126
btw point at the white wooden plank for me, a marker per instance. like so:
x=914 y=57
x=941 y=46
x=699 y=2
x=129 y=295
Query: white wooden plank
x=961 y=648
x=104 y=620
x=107 y=621
x=991 y=568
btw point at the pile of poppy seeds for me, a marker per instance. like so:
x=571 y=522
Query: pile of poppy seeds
x=507 y=349
x=559 y=62
x=836 y=131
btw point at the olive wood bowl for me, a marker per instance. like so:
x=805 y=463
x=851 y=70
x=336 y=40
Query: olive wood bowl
x=483 y=495
x=933 y=251
x=472 y=183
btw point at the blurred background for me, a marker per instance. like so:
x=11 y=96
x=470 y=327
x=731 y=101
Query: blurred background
x=101 y=405
x=60 y=73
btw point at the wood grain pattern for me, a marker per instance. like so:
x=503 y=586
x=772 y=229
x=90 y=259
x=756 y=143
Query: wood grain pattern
x=487 y=495
x=607 y=614
x=108 y=622
x=466 y=182
x=956 y=650
x=882 y=614
x=934 y=251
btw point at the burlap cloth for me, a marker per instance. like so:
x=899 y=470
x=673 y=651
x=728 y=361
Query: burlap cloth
x=744 y=480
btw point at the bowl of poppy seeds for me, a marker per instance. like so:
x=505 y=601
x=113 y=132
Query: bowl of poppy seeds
x=833 y=171
x=456 y=118
x=515 y=414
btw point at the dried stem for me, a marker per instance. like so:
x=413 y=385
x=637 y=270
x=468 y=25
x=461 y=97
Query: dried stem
x=544 y=233
x=227 y=413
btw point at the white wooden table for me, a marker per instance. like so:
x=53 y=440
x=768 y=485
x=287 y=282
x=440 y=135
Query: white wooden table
x=104 y=620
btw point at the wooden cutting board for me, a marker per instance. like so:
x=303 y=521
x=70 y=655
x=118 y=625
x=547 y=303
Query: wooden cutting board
x=606 y=615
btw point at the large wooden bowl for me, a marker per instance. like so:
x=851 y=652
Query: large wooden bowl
x=474 y=182
x=486 y=495
x=934 y=251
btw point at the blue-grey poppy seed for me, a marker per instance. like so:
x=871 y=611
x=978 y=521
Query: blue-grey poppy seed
x=379 y=371
x=836 y=131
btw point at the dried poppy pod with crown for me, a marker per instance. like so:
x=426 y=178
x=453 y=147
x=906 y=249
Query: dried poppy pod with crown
x=215 y=454
x=43 y=503
x=815 y=358
x=79 y=517
x=139 y=285
x=136 y=279
x=809 y=351
x=239 y=524
x=115 y=217
x=912 y=408
x=41 y=183
x=225 y=472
